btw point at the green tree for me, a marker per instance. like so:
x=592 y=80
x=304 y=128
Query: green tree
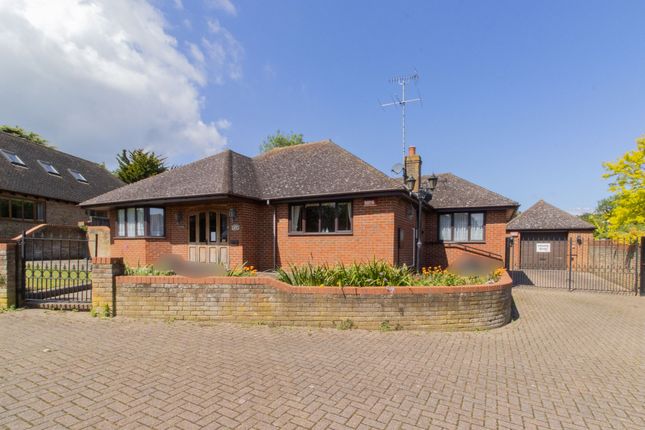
x=280 y=140
x=599 y=218
x=29 y=135
x=627 y=217
x=139 y=164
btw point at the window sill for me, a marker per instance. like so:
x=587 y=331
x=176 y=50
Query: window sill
x=31 y=221
x=138 y=237
x=340 y=233
x=463 y=242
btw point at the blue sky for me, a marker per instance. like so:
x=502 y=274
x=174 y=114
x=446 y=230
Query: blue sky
x=526 y=98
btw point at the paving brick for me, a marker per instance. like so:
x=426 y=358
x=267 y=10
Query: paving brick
x=571 y=361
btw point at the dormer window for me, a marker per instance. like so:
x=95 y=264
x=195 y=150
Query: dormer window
x=13 y=158
x=49 y=167
x=78 y=176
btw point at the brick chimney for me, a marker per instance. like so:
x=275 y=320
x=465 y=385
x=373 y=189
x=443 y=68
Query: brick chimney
x=413 y=167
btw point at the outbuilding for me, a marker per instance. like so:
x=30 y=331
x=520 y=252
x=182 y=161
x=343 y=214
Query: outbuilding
x=541 y=236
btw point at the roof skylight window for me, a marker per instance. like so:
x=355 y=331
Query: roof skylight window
x=49 y=167
x=13 y=158
x=78 y=176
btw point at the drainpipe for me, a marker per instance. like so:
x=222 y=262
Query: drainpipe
x=274 y=234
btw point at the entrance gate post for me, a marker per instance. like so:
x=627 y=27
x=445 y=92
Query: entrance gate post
x=570 y=263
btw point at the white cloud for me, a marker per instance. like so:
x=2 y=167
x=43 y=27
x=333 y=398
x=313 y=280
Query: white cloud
x=223 y=123
x=95 y=77
x=179 y=5
x=225 y=5
x=196 y=53
x=224 y=52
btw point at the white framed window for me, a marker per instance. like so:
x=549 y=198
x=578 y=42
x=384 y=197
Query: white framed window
x=77 y=175
x=120 y=222
x=462 y=227
x=477 y=226
x=13 y=158
x=445 y=227
x=131 y=222
x=140 y=222
x=156 y=222
x=49 y=167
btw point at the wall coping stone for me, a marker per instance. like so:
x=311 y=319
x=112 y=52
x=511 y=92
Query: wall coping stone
x=107 y=260
x=504 y=282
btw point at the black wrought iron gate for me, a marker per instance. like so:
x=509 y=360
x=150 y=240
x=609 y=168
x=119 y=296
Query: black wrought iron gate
x=55 y=273
x=576 y=263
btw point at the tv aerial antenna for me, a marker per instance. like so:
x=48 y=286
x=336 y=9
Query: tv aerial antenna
x=402 y=102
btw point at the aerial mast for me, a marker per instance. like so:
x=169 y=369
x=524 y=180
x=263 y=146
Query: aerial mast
x=402 y=101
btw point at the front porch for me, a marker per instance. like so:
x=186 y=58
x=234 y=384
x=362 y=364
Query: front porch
x=224 y=232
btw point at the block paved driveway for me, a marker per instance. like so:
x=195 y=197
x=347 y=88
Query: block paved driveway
x=572 y=360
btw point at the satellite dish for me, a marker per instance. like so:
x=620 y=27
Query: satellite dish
x=397 y=169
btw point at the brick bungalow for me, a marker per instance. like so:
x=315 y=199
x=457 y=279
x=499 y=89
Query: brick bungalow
x=40 y=185
x=314 y=202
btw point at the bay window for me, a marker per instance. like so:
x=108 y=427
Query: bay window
x=140 y=222
x=320 y=218
x=461 y=227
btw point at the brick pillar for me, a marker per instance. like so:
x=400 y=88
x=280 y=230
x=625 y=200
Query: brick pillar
x=8 y=279
x=98 y=238
x=104 y=271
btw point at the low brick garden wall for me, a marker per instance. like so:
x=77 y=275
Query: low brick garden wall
x=268 y=301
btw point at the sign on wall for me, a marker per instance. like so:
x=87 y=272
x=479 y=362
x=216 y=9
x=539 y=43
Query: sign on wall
x=542 y=247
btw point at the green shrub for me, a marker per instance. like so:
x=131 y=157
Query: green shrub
x=101 y=311
x=345 y=324
x=242 y=270
x=147 y=271
x=376 y=273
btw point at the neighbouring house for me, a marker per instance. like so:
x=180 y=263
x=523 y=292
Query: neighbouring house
x=314 y=202
x=41 y=185
x=541 y=236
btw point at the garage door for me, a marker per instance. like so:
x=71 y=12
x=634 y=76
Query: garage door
x=543 y=251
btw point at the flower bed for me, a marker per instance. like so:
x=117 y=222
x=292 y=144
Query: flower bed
x=150 y=270
x=377 y=274
x=262 y=299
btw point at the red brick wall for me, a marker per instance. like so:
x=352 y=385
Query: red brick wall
x=445 y=254
x=374 y=236
x=268 y=301
x=375 y=231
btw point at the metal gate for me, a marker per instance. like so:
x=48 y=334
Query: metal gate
x=576 y=264
x=55 y=273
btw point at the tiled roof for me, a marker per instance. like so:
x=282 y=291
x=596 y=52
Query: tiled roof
x=34 y=180
x=543 y=216
x=453 y=192
x=312 y=169
x=317 y=169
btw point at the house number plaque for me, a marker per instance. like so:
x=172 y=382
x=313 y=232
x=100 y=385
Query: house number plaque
x=235 y=227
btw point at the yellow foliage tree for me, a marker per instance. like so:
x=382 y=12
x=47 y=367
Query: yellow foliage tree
x=627 y=218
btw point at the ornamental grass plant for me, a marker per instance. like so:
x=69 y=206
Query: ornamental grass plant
x=377 y=273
